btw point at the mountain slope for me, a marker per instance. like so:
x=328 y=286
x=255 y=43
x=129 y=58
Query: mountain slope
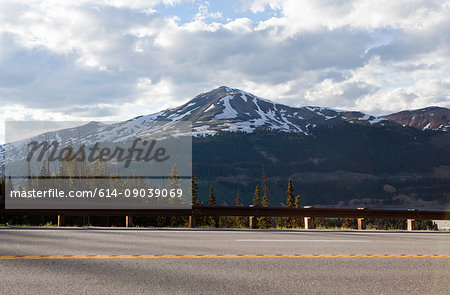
x=431 y=118
x=347 y=165
x=230 y=109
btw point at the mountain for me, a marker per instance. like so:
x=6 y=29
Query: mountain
x=230 y=109
x=334 y=157
x=431 y=118
x=96 y=135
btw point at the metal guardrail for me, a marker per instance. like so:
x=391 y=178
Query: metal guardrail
x=307 y=212
x=242 y=211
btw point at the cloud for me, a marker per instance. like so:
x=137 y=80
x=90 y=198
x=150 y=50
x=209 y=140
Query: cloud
x=114 y=60
x=367 y=14
x=203 y=12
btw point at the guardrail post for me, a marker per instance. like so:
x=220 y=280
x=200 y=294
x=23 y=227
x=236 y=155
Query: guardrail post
x=192 y=221
x=60 y=220
x=361 y=221
x=410 y=222
x=361 y=224
x=251 y=220
x=128 y=221
x=307 y=220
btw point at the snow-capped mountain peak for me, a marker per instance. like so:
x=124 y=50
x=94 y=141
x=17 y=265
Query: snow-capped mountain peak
x=231 y=109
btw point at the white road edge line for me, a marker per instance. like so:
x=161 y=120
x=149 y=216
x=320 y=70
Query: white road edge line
x=326 y=241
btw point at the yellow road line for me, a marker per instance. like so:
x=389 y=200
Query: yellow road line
x=226 y=256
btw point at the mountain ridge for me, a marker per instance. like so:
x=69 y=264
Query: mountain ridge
x=429 y=118
x=232 y=109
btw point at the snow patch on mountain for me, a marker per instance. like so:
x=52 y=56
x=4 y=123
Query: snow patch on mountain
x=377 y=120
x=228 y=111
x=209 y=108
x=2 y=155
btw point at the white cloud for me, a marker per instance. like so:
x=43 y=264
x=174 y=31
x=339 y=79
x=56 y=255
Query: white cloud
x=368 y=14
x=204 y=13
x=119 y=59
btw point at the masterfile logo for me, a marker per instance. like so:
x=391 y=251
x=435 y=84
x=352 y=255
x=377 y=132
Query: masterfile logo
x=102 y=166
x=96 y=153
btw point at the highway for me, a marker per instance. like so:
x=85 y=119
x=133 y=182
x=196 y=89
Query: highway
x=197 y=261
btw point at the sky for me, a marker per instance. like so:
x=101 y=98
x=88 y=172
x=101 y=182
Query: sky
x=110 y=60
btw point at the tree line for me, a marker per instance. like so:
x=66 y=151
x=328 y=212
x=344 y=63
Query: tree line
x=260 y=199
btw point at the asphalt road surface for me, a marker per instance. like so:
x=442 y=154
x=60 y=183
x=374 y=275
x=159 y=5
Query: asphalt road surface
x=152 y=261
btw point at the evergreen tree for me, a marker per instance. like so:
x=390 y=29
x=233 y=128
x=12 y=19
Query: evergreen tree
x=297 y=202
x=3 y=186
x=67 y=164
x=212 y=202
x=290 y=200
x=66 y=168
x=194 y=190
x=297 y=221
x=80 y=165
x=265 y=221
x=238 y=199
x=174 y=177
x=175 y=183
x=265 y=201
x=9 y=184
x=28 y=171
x=257 y=197
x=44 y=172
x=290 y=203
x=264 y=184
x=212 y=197
x=239 y=221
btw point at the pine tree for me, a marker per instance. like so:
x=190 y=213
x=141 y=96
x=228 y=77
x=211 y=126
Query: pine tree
x=174 y=177
x=212 y=202
x=239 y=221
x=44 y=172
x=257 y=197
x=297 y=201
x=297 y=220
x=212 y=197
x=290 y=200
x=265 y=201
x=238 y=199
x=67 y=167
x=3 y=186
x=194 y=190
x=264 y=184
x=80 y=164
x=265 y=221
x=175 y=183
x=9 y=184
x=28 y=171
